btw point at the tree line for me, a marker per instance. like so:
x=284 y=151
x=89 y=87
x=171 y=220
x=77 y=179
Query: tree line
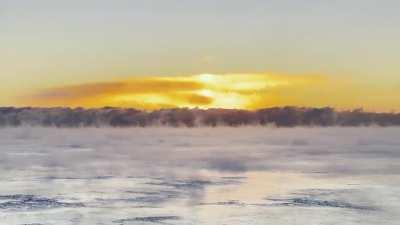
x=127 y=117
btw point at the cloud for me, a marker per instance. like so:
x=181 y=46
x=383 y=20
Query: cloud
x=136 y=86
x=146 y=92
x=244 y=91
x=205 y=90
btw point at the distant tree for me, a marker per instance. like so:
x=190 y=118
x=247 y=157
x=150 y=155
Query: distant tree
x=319 y=117
x=210 y=119
x=119 y=117
x=239 y=117
x=282 y=117
x=186 y=117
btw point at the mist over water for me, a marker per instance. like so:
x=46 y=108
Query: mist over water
x=247 y=175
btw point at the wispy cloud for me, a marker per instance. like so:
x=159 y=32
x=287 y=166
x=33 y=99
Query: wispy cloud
x=247 y=91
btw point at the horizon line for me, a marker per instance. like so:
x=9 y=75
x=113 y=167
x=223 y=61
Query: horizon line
x=336 y=109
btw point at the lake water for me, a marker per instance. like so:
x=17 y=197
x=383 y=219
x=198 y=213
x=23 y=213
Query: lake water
x=218 y=176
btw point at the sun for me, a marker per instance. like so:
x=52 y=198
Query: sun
x=207 y=78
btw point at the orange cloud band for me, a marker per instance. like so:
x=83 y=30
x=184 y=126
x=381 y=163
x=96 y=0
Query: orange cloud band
x=244 y=91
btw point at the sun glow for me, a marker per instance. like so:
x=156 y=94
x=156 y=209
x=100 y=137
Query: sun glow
x=238 y=91
x=207 y=78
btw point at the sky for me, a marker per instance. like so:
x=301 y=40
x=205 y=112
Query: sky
x=341 y=53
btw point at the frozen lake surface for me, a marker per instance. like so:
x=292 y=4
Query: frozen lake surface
x=218 y=176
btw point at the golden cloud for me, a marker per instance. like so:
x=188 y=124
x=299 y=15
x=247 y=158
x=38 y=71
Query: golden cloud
x=244 y=91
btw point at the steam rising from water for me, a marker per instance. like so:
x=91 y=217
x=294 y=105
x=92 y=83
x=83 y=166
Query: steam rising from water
x=200 y=176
